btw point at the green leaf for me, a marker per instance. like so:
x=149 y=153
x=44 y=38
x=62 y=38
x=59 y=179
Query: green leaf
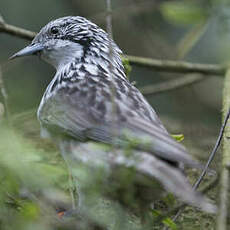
x=127 y=66
x=169 y=199
x=169 y=222
x=166 y=221
x=178 y=137
x=184 y=13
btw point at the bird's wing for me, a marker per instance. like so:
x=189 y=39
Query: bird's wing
x=74 y=116
x=145 y=137
x=61 y=117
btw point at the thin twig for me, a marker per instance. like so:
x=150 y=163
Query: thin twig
x=1 y=20
x=111 y=66
x=158 y=65
x=109 y=19
x=4 y=96
x=171 y=84
x=128 y=8
x=210 y=159
x=111 y=56
x=213 y=153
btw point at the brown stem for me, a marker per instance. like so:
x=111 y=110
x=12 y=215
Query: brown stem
x=177 y=66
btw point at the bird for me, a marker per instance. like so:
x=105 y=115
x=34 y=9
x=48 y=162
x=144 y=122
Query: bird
x=102 y=123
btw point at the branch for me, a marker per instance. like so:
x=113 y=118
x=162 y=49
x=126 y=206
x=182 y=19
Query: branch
x=16 y=31
x=225 y=166
x=159 y=65
x=177 y=66
x=171 y=84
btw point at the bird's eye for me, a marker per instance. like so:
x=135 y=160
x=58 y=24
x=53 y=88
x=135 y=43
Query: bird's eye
x=54 y=30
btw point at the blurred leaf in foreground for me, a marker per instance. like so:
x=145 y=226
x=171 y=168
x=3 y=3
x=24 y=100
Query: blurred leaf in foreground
x=27 y=179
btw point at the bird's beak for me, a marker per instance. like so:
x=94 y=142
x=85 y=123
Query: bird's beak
x=28 y=50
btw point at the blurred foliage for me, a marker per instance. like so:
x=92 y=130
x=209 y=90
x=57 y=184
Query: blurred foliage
x=183 y=12
x=186 y=13
x=31 y=182
x=191 y=38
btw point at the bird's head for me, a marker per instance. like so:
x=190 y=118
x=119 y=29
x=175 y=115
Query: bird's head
x=68 y=38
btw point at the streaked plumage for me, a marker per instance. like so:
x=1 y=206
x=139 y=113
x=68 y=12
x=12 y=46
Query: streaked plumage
x=90 y=99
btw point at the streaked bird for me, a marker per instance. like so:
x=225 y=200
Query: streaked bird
x=90 y=101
